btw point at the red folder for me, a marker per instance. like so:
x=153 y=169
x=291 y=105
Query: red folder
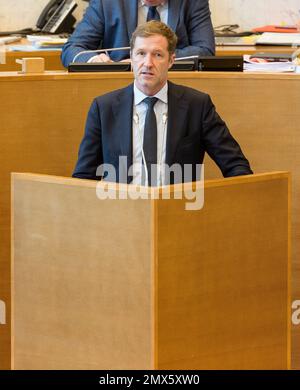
x=273 y=28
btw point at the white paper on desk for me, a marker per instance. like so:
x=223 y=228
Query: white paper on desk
x=9 y=39
x=277 y=67
x=253 y=66
x=43 y=38
x=284 y=39
x=43 y=41
x=31 y=48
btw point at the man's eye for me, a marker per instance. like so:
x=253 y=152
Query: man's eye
x=141 y=53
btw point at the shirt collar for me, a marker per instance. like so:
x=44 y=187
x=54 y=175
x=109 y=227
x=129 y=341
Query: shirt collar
x=162 y=95
x=163 y=4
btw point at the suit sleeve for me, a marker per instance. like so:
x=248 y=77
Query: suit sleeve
x=88 y=35
x=199 y=29
x=90 y=155
x=220 y=144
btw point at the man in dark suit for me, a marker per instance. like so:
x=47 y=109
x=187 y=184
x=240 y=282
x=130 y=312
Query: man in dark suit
x=155 y=122
x=110 y=24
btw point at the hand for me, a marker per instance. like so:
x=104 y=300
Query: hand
x=259 y=60
x=126 y=60
x=101 y=58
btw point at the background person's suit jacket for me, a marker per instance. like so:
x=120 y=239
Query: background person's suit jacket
x=112 y=22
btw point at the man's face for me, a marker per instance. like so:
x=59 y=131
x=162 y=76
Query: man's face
x=153 y=3
x=151 y=62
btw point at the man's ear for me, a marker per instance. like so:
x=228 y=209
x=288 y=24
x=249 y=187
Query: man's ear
x=171 y=60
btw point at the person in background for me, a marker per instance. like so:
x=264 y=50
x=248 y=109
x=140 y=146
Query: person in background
x=110 y=24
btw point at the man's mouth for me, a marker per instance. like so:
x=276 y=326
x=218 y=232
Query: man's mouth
x=147 y=73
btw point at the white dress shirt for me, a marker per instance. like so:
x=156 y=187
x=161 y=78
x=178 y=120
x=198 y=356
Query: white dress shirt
x=161 y=9
x=138 y=124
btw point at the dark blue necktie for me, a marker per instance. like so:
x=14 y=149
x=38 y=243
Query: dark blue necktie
x=153 y=14
x=150 y=139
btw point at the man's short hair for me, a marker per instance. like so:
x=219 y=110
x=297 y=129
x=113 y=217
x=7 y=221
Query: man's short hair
x=155 y=27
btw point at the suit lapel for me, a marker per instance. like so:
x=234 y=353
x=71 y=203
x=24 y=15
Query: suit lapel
x=130 y=10
x=177 y=112
x=173 y=13
x=122 y=130
x=177 y=116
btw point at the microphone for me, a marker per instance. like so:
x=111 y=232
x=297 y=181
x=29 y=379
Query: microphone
x=137 y=122
x=99 y=51
x=136 y=119
x=186 y=58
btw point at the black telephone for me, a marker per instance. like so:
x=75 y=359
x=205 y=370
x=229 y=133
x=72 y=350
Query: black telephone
x=57 y=17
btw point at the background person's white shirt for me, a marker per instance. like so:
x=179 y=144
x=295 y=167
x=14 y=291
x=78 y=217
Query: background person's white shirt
x=143 y=12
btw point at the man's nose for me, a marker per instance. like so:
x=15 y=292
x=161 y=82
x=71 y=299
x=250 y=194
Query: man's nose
x=148 y=60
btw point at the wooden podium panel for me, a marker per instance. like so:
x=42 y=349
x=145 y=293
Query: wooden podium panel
x=223 y=278
x=141 y=284
x=86 y=272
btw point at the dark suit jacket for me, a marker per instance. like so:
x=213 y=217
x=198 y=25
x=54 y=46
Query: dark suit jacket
x=193 y=128
x=112 y=22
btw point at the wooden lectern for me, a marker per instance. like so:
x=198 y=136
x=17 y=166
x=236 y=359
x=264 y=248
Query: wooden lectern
x=147 y=284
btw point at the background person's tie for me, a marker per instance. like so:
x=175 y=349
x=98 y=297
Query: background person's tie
x=153 y=14
x=150 y=139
